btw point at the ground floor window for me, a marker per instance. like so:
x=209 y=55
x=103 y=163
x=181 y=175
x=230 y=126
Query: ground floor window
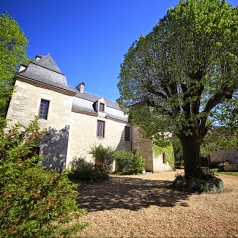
x=164 y=158
x=127 y=133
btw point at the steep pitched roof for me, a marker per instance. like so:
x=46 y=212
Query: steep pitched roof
x=48 y=62
x=45 y=71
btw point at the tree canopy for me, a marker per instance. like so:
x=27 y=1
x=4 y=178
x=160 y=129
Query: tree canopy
x=182 y=77
x=13 y=45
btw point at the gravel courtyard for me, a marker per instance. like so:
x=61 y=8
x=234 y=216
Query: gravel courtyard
x=145 y=206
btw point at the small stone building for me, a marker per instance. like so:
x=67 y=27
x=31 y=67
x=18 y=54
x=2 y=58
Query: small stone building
x=229 y=155
x=75 y=120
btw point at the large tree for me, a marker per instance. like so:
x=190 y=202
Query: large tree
x=182 y=77
x=13 y=44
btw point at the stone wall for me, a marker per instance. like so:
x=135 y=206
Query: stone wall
x=227 y=155
x=83 y=136
x=153 y=163
x=159 y=165
x=145 y=147
x=24 y=106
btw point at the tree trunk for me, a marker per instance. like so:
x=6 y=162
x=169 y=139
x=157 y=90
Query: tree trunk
x=191 y=155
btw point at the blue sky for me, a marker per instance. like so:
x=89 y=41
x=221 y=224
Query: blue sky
x=87 y=38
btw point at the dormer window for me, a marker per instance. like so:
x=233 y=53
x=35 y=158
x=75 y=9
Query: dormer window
x=101 y=107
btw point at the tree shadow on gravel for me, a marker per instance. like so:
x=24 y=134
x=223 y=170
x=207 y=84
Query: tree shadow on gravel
x=129 y=193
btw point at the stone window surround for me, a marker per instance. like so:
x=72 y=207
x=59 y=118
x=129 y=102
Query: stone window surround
x=44 y=109
x=100 y=128
x=101 y=107
x=127 y=133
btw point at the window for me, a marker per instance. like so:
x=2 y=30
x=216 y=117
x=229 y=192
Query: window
x=164 y=158
x=101 y=107
x=44 y=107
x=127 y=133
x=101 y=128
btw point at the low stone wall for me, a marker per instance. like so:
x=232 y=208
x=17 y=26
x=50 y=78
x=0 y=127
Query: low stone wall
x=230 y=167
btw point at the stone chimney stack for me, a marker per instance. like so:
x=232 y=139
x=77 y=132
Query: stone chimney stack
x=80 y=87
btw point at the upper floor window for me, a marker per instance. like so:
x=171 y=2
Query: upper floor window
x=44 y=108
x=101 y=107
x=127 y=133
x=101 y=128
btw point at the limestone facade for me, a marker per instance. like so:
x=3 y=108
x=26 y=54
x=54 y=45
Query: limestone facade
x=154 y=163
x=75 y=120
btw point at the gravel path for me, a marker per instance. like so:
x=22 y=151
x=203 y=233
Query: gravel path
x=145 y=206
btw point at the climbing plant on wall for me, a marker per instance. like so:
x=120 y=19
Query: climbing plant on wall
x=165 y=147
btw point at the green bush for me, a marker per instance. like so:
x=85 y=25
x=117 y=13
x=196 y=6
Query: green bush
x=35 y=202
x=206 y=182
x=83 y=170
x=129 y=162
x=103 y=157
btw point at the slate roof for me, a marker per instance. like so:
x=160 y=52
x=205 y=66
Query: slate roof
x=48 y=62
x=84 y=102
x=46 y=71
x=94 y=98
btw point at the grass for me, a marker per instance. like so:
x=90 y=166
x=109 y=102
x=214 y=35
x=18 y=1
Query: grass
x=225 y=173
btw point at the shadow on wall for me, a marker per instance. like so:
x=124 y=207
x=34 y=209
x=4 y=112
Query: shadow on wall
x=53 y=146
x=123 y=144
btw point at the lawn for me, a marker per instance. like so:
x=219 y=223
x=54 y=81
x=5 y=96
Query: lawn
x=225 y=173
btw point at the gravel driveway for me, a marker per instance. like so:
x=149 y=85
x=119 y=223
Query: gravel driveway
x=145 y=206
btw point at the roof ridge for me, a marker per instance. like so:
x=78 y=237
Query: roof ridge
x=100 y=97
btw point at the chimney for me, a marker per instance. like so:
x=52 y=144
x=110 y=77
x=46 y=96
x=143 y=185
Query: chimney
x=22 y=67
x=38 y=57
x=80 y=87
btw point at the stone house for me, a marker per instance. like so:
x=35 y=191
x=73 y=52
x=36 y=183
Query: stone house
x=75 y=120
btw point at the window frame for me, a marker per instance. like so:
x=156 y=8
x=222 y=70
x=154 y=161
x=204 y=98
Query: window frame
x=164 y=157
x=101 y=107
x=100 y=128
x=44 y=109
x=127 y=133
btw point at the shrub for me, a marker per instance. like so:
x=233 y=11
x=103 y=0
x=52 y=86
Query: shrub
x=35 y=202
x=207 y=182
x=103 y=157
x=129 y=162
x=83 y=170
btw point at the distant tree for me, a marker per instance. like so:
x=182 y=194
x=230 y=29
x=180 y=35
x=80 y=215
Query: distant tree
x=13 y=45
x=182 y=77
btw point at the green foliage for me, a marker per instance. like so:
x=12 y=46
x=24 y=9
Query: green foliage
x=207 y=182
x=167 y=149
x=216 y=170
x=35 y=202
x=182 y=77
x=13 y=45
x=220 y=138
x=83 y=170
x=129 y=162
x=103 y=157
